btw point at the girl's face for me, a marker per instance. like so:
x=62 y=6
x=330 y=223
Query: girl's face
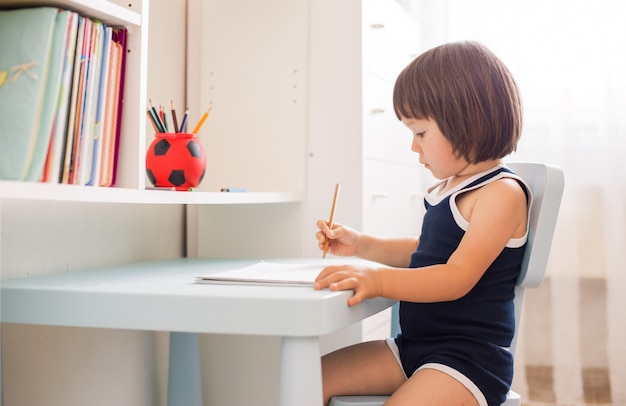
x=435 y=151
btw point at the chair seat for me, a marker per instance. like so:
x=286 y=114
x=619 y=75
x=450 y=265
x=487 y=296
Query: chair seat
x=358 y=400
x=512 y=399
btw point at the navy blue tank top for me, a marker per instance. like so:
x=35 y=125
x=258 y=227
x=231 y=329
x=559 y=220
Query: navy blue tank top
x=486 y=312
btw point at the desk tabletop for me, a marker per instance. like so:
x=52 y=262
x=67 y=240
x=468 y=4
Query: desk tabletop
x=163 y=296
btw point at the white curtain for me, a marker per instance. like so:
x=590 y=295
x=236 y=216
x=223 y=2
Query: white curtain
x=569 y=58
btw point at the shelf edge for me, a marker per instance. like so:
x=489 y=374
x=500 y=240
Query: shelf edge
x=33 y=191
x=108 y=12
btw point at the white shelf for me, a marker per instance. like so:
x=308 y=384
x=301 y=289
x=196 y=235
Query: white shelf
x=11 y=190
x=109 y=13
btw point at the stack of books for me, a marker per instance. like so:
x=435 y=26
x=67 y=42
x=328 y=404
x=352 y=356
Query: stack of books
x=61 y=92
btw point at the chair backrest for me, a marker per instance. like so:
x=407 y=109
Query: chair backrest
x=546 y=183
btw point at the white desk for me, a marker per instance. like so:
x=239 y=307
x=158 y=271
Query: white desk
x=162 y=296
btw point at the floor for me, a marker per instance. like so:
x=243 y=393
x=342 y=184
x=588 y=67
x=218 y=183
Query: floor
x=570 y=350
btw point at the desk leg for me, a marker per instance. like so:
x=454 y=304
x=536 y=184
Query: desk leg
x=300 y=372
x=184 y=383
x=1 y=380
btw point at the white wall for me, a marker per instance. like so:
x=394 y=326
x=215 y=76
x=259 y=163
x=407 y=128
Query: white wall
x=70 y=366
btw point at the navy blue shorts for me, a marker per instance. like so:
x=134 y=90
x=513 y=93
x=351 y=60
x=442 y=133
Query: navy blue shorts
x=484 y=368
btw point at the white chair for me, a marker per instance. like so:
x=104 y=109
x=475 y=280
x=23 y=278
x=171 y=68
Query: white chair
x=546 y=183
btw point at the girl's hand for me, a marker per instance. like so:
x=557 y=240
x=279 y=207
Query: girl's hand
x=343 y=240
x=364 y=281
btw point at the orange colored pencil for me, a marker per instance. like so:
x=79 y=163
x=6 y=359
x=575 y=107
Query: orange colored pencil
x=330 y=221
x=151 y=119
x=202 y=119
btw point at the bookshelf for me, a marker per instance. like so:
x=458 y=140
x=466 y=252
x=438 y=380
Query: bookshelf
x=131 y=177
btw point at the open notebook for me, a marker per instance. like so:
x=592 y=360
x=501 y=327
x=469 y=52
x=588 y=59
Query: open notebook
x=268 y=273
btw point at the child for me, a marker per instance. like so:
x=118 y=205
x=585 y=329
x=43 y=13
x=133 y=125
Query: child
x=455 y=283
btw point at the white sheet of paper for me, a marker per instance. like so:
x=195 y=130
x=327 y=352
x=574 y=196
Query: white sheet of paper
x=263 y=273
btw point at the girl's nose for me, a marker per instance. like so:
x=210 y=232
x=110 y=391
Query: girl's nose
x=415 y=146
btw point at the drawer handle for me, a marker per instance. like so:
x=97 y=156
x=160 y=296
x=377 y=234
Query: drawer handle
x=378 y=111
x=378 y=26
x=381 y=195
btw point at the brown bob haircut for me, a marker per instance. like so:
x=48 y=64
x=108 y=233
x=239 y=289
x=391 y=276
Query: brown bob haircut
x=469 y=93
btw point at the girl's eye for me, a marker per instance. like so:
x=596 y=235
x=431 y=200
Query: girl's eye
x=420 y=134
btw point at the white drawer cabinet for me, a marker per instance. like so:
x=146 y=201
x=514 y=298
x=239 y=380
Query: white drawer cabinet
x=384 y=136
x=392 y=199
x=390 y=38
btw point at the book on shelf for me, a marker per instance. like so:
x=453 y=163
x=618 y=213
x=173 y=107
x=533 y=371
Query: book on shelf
x=26 y=80
x=120 y=36
x=83 y=135
x=52 y=169
x=108 y=138
x=61 y=91
x=66 y=160
x=96 y=150
x=50 y=95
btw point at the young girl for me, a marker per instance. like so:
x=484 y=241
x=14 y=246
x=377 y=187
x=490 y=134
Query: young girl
x=455 y=283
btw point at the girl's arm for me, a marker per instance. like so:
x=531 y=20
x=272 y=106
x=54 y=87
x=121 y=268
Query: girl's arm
x=496 y=213
x=345 y=241
x=395 y=252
